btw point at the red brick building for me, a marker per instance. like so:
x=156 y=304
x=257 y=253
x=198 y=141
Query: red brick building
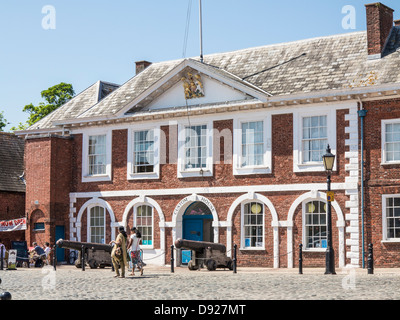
x=230 y=150
x=12 y=187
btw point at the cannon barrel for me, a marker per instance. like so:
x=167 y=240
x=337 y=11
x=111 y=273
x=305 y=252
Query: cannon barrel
x=199 y=245
x=76 y=245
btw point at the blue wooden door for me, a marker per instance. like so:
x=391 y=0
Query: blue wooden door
x=60 y=234
x=193 y=229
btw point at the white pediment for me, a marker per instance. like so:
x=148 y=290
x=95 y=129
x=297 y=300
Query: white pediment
x=214 y=91
x=217 y=87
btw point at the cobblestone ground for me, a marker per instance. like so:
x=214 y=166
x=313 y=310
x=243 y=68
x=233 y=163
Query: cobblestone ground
x=158 y=283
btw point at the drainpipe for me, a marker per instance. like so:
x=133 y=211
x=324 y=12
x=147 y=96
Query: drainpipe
x=362 y=113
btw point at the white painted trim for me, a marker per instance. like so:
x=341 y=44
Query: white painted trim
x=185 y=173
x=316 y=196
x=215 y=190
x=177 y=216
x=266 y=168
x=91 y=203
x=260 y=198
x=298 y=115
x=383 y=141
x=88 y=233
x=130 y=159
x=242 y=231
x=385 y=239
x=85 y=154
x=253 y=91
x=150 y=202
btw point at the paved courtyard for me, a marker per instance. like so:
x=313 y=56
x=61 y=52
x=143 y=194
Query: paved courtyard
x=158 y=283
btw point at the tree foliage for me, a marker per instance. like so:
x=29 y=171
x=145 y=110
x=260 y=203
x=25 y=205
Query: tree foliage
x=3 y=121
x=54 y=97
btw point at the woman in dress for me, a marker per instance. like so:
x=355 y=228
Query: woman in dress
x=134 y=242
x=118 y=253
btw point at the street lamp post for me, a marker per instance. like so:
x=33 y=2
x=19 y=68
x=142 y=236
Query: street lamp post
x=329 y=160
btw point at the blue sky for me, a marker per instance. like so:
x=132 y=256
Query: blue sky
x=101 y=40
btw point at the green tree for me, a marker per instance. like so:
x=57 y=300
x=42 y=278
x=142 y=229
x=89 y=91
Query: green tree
x=3 y=121
x=55 y=97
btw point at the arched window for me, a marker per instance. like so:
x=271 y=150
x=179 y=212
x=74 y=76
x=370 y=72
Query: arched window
x=252 y=225
x=315 y=225
x=143 y=220
x=96 y=224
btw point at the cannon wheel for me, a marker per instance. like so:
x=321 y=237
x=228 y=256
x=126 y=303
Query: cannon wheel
x=211 y=265
x=93 y=264
x=192 y=266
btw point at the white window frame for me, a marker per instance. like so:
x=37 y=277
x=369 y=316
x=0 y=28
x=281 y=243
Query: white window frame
x=196 y=172
x=86 y=177
x=242 y=233
x=266 y=167
x=384 y=219
x=89 y=229
x=298 y=164
x=304 y=203
x=383 y=137
x=131 y=175
x=142 y=246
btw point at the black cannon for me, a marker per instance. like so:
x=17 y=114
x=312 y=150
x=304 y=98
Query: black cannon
x=212 y=255
x=96 y=254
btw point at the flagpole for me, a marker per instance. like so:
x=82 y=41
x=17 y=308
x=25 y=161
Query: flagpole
x=201 y=31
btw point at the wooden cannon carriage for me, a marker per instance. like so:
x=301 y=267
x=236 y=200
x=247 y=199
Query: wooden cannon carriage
x=96 y=254
x=211 y=255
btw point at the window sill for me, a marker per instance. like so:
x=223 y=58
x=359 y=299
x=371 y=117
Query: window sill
x=323 y=250
x=252 y=249
x=391 y=241
x=143 y=176
x=390 y=163
x=194 y=173
x=251 y=170
x=310 y=167
x=96 y=178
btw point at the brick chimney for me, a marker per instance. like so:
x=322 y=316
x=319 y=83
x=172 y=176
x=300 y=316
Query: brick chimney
x=379 y=26
x=141 y=65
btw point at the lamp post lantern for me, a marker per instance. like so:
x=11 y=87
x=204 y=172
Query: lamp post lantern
x=329 y=160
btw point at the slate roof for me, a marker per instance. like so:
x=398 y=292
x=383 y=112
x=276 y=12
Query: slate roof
x=11 y=162
x=320 y=64
x=81 y=102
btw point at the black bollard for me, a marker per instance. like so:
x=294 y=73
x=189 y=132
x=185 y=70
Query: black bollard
x=172 y=259
x=83 y=257
x=300 y=259
x=235 y=258
x=1 y=258
x=370 y=259
x=55 y=257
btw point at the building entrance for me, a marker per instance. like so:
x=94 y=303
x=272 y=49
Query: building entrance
x=197 y=226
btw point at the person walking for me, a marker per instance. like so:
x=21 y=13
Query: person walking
x=134 y=242
x=47 y=251
x=118 y=253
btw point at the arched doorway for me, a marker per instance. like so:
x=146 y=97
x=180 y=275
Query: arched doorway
x=197 y=222
x=196 y=226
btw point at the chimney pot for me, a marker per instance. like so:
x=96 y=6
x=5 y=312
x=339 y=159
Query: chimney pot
x=397 y=23
x=141 y=65
x=379 y=26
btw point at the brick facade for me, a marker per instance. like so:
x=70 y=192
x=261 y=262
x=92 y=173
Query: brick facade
x=380 y=179
x=61 y=191
x=60 y=160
